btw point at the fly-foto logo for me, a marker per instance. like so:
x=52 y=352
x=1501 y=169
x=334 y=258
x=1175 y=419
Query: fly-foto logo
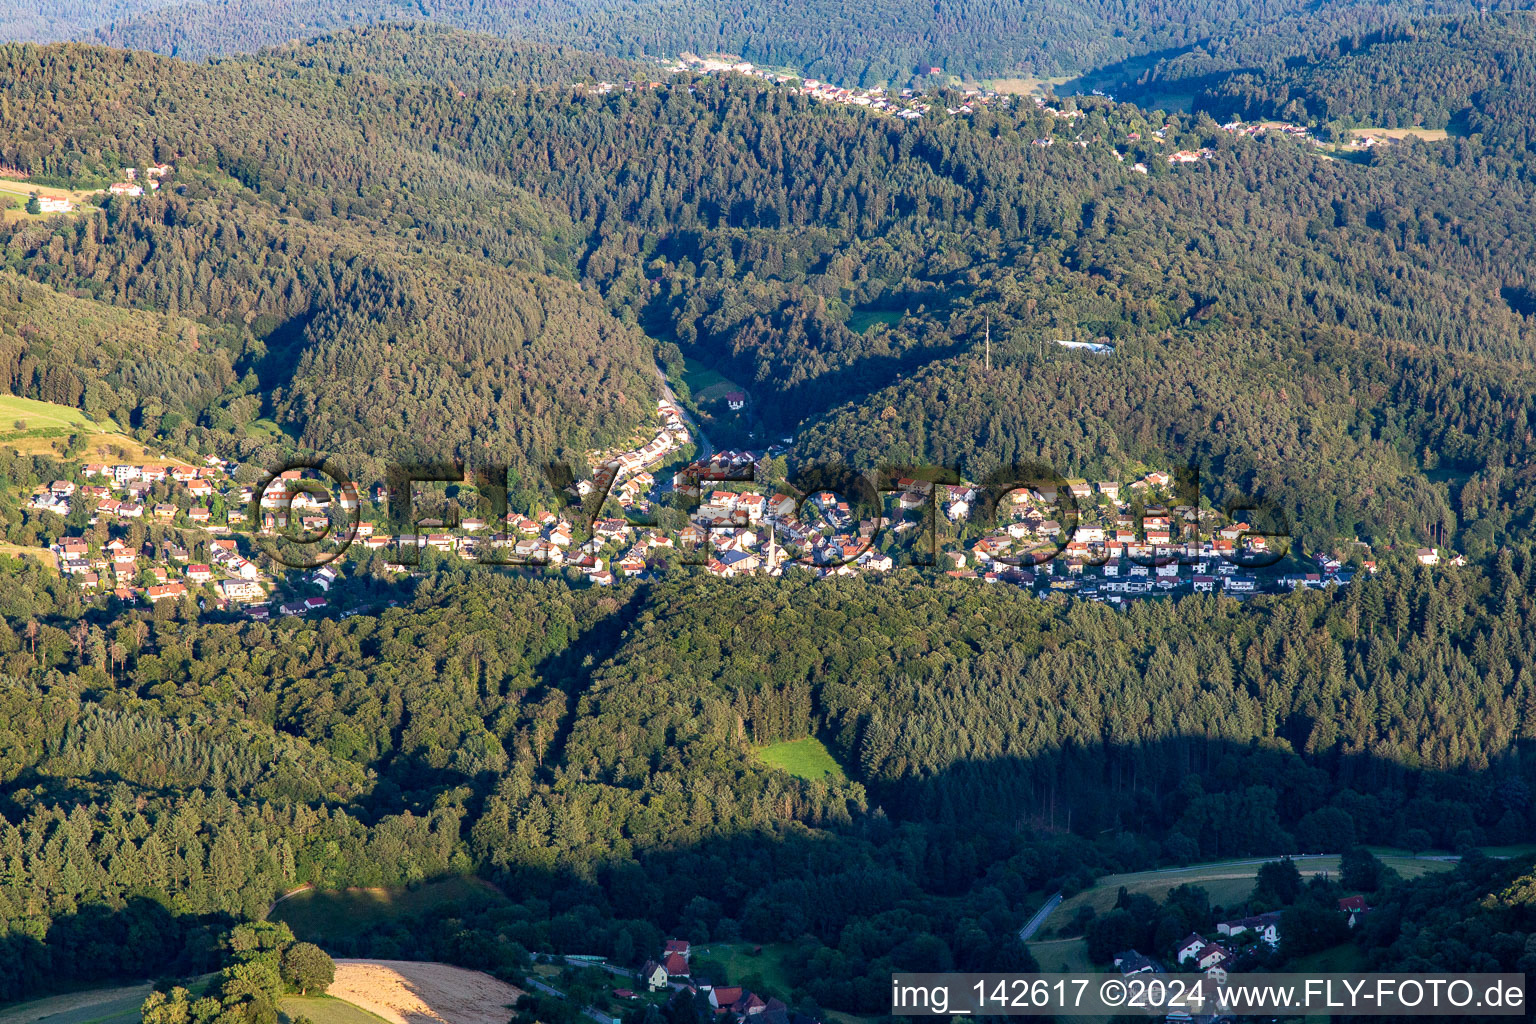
x=308 y=512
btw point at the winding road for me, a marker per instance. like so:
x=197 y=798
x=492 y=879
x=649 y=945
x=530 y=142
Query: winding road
x=1033 y=924
x=700 y=441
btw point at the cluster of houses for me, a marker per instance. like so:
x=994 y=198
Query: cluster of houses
x=1257 y=128
x=146 y=571
x=134 y=185
x=1190 y=156
x=1110 y=555
x=1102 y=541
x=122 y=491
x=1195 y=952
x=626 y=474
x=907 y=104
x=732 y=1004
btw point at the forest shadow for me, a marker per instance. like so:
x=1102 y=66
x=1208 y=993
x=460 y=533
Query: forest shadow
x=1009 y=829
x=139 y=941
x=285 y=343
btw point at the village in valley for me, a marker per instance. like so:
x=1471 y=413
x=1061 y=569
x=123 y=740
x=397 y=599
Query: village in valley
x=166 y=531
x=197 y=530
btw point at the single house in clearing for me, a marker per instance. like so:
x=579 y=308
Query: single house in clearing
x=736 y=401
x=1427 y=556
x=1355 y=907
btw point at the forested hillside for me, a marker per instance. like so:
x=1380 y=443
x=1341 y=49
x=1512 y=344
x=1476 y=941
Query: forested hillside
x=414 y=243
x=1326 y=334
x=1475 y=74
x=365 y=325
x=865 y=44
x=593 y=752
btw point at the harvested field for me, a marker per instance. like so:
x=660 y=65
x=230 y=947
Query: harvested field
x=412 y=992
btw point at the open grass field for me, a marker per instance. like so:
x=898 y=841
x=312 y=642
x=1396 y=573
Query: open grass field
x=40 y=414
x=862 y=320
x=48 y=427
x=1025 y=86
x=11 y=189
x=806 y=758
x=1228 y=882
x=317 y=916
x=740 y=962
x=1343 y=958
x=325 y=1010
x=119 y=1005
x=1427 y=134
x=111 y=447
x=699 y=377
x=43 y=555
x=1062 y=955
x=707 y=385
x=26 y=188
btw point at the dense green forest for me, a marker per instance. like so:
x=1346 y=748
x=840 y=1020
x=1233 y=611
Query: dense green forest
x=592 y=753
x=408 y=242
x=895 y=42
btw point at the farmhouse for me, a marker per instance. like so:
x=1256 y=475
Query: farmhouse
x=1265 y=926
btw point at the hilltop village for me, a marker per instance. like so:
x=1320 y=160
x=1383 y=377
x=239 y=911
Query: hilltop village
x=914 y=104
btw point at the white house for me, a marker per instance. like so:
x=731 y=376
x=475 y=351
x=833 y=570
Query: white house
x=1266 y=926
x=1188 y=946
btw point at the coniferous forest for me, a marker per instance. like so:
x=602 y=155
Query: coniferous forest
x=414 y=242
